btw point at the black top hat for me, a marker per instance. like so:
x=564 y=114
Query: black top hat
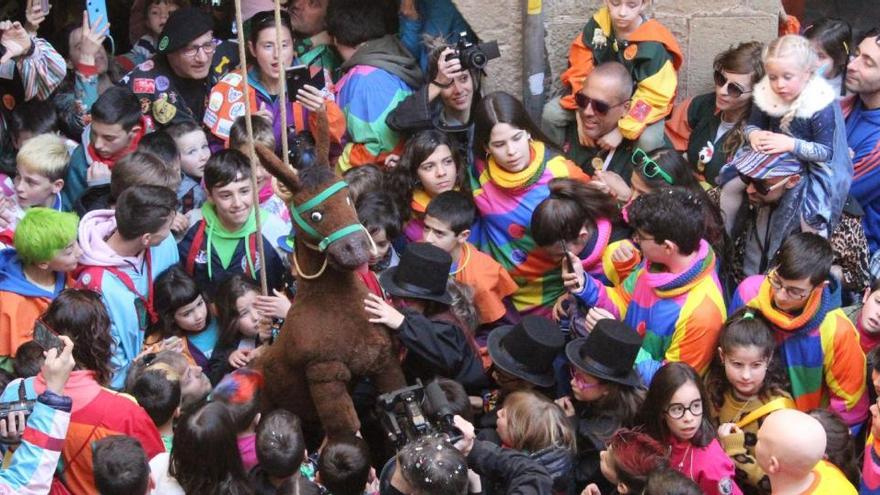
x=609 y=352
x=422 y=274
x=527 y=350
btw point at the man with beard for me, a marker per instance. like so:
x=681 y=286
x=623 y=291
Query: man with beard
x=862 y=112
x=313 y=45
x=173 y=86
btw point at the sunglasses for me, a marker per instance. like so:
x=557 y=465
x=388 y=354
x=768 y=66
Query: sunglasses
x=760 y=186
x=600 y=107
x=733 y=89
x=581 y=384
x=650 y=169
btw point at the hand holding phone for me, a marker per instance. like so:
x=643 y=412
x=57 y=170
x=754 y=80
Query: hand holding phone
x=97 y=11
x=47 y=338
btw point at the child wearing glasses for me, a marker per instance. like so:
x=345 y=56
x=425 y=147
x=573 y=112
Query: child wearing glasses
x=818 y=346
x=673 y=413
x=620 y=32
x=795 y=117
x=744 y=384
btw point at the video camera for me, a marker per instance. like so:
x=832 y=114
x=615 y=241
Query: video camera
x=403 y=417
x=474 y=55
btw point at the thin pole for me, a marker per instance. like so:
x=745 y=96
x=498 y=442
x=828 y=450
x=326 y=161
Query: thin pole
x=242 y=54
x=282 y=94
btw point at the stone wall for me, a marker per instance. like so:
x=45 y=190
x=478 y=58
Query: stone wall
x=702 y=27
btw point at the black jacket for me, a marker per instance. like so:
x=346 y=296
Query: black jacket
x=439 y=348
x=515 y=471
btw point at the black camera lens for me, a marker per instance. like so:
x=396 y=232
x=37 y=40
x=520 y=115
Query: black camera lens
x=478 y=60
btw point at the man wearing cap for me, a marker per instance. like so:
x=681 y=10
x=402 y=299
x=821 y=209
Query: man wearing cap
x=174 y=85
x=771 y=214
x=862 y=112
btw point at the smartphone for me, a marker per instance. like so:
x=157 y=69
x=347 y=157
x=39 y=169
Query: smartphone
x=566 y=261
x=300 y=75
x=297 y=77
x=46 y=338
x=97 y=11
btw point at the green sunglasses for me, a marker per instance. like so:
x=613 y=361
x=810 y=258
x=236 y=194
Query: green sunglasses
x=649 y=167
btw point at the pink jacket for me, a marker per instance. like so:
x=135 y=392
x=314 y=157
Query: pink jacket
x=708 y=466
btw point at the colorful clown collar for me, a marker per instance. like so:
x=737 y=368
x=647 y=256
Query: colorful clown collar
x=526 y=176
x=420 y=200
x=818 y=303
x=667 y=285
x=602 y=236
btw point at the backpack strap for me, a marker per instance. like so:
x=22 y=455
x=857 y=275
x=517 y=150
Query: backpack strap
x=194 y=247
x=773 y=405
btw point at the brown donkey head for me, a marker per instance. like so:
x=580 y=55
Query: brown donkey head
x=321 y=210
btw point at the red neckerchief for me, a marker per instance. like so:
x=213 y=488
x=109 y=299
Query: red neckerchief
x=129 y=284
x=132 y=146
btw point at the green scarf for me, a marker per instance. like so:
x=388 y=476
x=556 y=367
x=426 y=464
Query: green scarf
x=226 y=242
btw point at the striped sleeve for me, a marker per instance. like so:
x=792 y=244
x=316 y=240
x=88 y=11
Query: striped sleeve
x=844 y=368
x=35 y=460
x=697 y=328
x=613 y=299
x=43 y=71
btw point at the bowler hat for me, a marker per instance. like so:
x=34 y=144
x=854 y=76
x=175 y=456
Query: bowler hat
x=608 y=352
x=422 y=273
x=527 y=350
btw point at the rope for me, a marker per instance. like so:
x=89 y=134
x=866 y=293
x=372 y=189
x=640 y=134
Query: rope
x=282 y=94
x=242 y=54
x=300 y=273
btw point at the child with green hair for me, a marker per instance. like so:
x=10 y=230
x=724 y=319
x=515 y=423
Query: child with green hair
x=33 y=273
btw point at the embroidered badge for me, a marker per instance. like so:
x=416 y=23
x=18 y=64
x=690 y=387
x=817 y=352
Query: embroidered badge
x=148 y=65
x=215 y=101
x=162 y=83
x=640 y=110
x=599 y=38
x=144 y=86
x=201 y=257
x=630 y=52
x=210 y=118
x=725 y=486
x=237 y=110
x=234 y=95
x=163 y=43
x=163 y=111
x=145 y=104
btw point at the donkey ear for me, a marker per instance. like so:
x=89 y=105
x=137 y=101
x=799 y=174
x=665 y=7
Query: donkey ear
x=322 y=141
x=286 y=175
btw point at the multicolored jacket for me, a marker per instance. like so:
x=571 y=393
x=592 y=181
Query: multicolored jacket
x=225 y=104
x=863 y=137
x=506 y=202
x=870 y=484
x=96 y=413
x=377 y=78
x=678 y=314
x=820 y=350
x=34 y=461
x=652 y=56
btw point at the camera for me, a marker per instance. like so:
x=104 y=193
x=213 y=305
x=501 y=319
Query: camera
x=301 y=153
x=402 y=414
x=474 y=55
x=21 y=404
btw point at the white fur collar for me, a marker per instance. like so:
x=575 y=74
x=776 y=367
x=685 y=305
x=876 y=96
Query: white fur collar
x=817 y=95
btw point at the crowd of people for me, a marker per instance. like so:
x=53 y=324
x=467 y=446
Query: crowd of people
x=636 y=293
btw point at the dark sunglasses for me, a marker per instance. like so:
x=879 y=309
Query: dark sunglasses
x=733 y=89
x=760 y=186
x=650 y=169
x=600 y=107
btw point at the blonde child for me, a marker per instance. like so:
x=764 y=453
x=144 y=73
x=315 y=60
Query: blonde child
x=40 y=167
x=192 y=145
x=532 y=423
x=744 y=386
x=795 y=117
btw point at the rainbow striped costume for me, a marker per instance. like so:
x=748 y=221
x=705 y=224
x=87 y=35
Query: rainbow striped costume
x=505 y=202
x=678 y=314
x=820 y=350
